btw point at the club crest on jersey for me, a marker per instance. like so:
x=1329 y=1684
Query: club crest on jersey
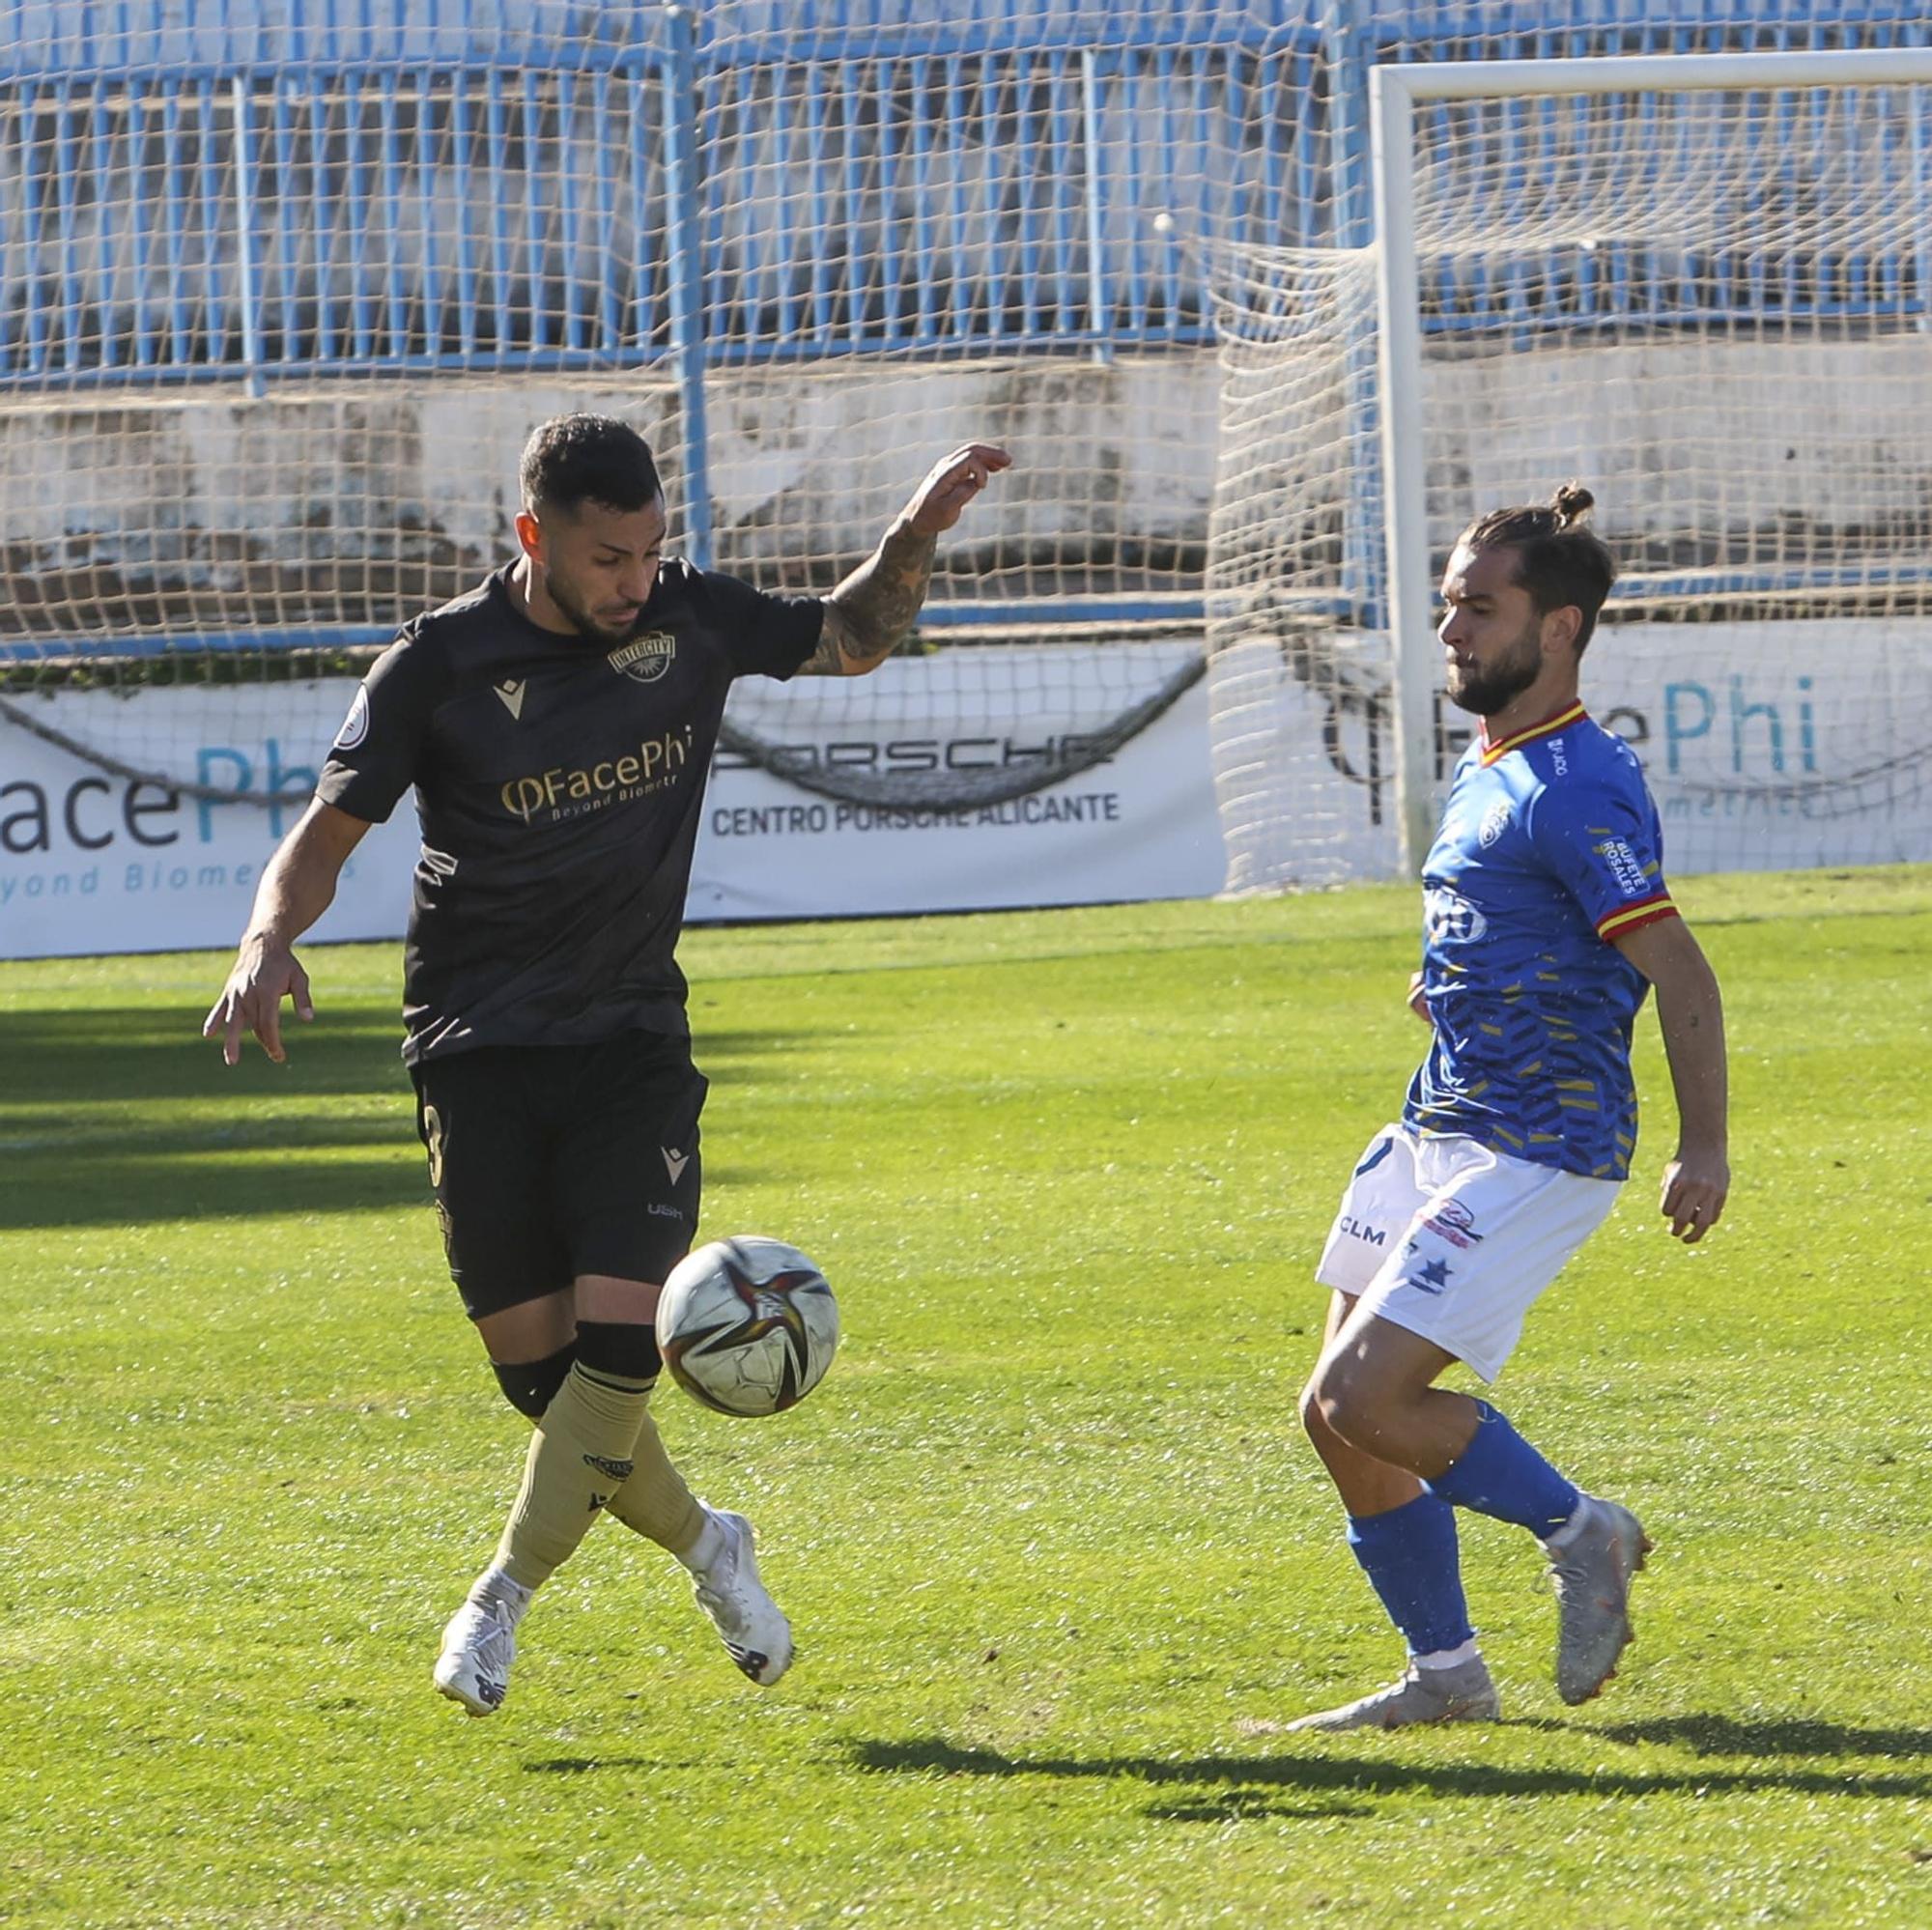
x=1453 y=1221
x=645 y=659
x=1451 y=919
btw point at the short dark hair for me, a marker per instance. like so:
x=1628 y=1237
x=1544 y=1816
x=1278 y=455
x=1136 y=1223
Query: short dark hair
x=1558 y=562
x=572 y=460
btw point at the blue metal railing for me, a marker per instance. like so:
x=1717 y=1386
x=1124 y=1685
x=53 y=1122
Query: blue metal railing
x=1623 y=286
x=358 y=218
x=384 y=188
x=926 y=202
x=189 y=226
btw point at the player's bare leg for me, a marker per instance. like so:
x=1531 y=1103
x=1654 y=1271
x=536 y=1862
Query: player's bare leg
x=1374 y=1389
x=1367 y=1484
x=1405 y=1543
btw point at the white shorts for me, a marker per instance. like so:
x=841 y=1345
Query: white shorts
x=1455 y=1241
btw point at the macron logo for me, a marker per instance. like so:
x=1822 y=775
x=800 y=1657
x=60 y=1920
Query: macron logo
x=674 y=1163
x=511 y=691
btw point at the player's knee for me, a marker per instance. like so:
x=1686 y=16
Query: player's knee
x=1313 y=1422
x=1343 y=1401
x=628 y=1349
x=530 y=1386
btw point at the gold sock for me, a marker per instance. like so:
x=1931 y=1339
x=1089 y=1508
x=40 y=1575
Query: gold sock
x=579 y=1457
x=654 y=1502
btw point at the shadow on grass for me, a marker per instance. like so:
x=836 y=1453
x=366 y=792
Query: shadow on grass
x=117 y=1117
x=1244 y=1777
x=62 y=1058
x=1235 y=1806
x=1243 y=1806
x=120 y=1118
x=1720 y=1736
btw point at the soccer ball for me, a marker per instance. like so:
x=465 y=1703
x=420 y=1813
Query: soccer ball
x=748 y=1325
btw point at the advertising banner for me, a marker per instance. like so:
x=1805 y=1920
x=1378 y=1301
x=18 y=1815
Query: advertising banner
x=1140 y=823
x=91 y=861
x=1768 y=745
x=1772 y=746
x=94 y=862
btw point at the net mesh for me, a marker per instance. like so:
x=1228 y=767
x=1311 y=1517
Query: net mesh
x=281 y=299
x=283 y=289
x=1300 y=670
x=1713 y=309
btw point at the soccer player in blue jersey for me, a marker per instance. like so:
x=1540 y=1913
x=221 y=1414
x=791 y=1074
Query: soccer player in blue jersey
x=1547 y=920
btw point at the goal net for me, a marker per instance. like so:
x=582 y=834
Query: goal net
x=1702 y=286
x=283 y=289
x=281 y=298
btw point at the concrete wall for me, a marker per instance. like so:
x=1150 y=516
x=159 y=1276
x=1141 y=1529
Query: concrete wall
x=351 y=505
x=1702 y=450
x=342 y=505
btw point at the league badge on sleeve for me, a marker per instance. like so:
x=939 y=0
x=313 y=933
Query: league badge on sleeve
x=356 y=725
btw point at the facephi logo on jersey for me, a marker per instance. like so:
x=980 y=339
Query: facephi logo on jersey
x=674 y=1162
x=1495 y=821
x=356 y=725
x=1453 y=920
x=511 y=692
x=570 y=792
x=645 y=659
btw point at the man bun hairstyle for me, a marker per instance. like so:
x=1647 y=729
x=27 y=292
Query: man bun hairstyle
x=1572 y=502
x=572 y=460
x=1558 y=560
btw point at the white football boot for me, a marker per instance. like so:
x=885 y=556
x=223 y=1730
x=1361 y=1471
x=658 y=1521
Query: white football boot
x=754 y=1632
x=478 y=1647
x=1465 y=1693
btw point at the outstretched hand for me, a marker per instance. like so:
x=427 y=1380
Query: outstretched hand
x=939 y=501
x=265 y=974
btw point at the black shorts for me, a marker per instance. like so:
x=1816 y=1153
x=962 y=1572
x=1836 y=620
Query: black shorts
x=551 y=1161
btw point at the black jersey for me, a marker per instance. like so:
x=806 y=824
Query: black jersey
x=560 y=785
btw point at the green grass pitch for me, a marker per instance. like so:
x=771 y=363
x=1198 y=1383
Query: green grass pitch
x=1051 y=1543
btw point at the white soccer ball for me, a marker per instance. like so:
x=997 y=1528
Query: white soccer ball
x=748 y=1325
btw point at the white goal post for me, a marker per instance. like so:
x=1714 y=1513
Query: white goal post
x=1895 y=208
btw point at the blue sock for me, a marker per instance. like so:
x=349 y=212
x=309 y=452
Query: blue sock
x=1500 y=1474
x=1409 y=1556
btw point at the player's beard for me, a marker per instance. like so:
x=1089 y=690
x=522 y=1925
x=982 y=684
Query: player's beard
x=603 y=634
x=1483 y=692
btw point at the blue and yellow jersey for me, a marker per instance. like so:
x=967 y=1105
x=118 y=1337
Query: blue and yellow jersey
x=1550 y=848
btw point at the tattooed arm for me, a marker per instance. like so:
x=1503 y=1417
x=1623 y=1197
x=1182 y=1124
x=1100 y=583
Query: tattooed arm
x=870 y=613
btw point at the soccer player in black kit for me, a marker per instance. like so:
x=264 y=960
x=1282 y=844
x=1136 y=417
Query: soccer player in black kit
x=557 y=724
